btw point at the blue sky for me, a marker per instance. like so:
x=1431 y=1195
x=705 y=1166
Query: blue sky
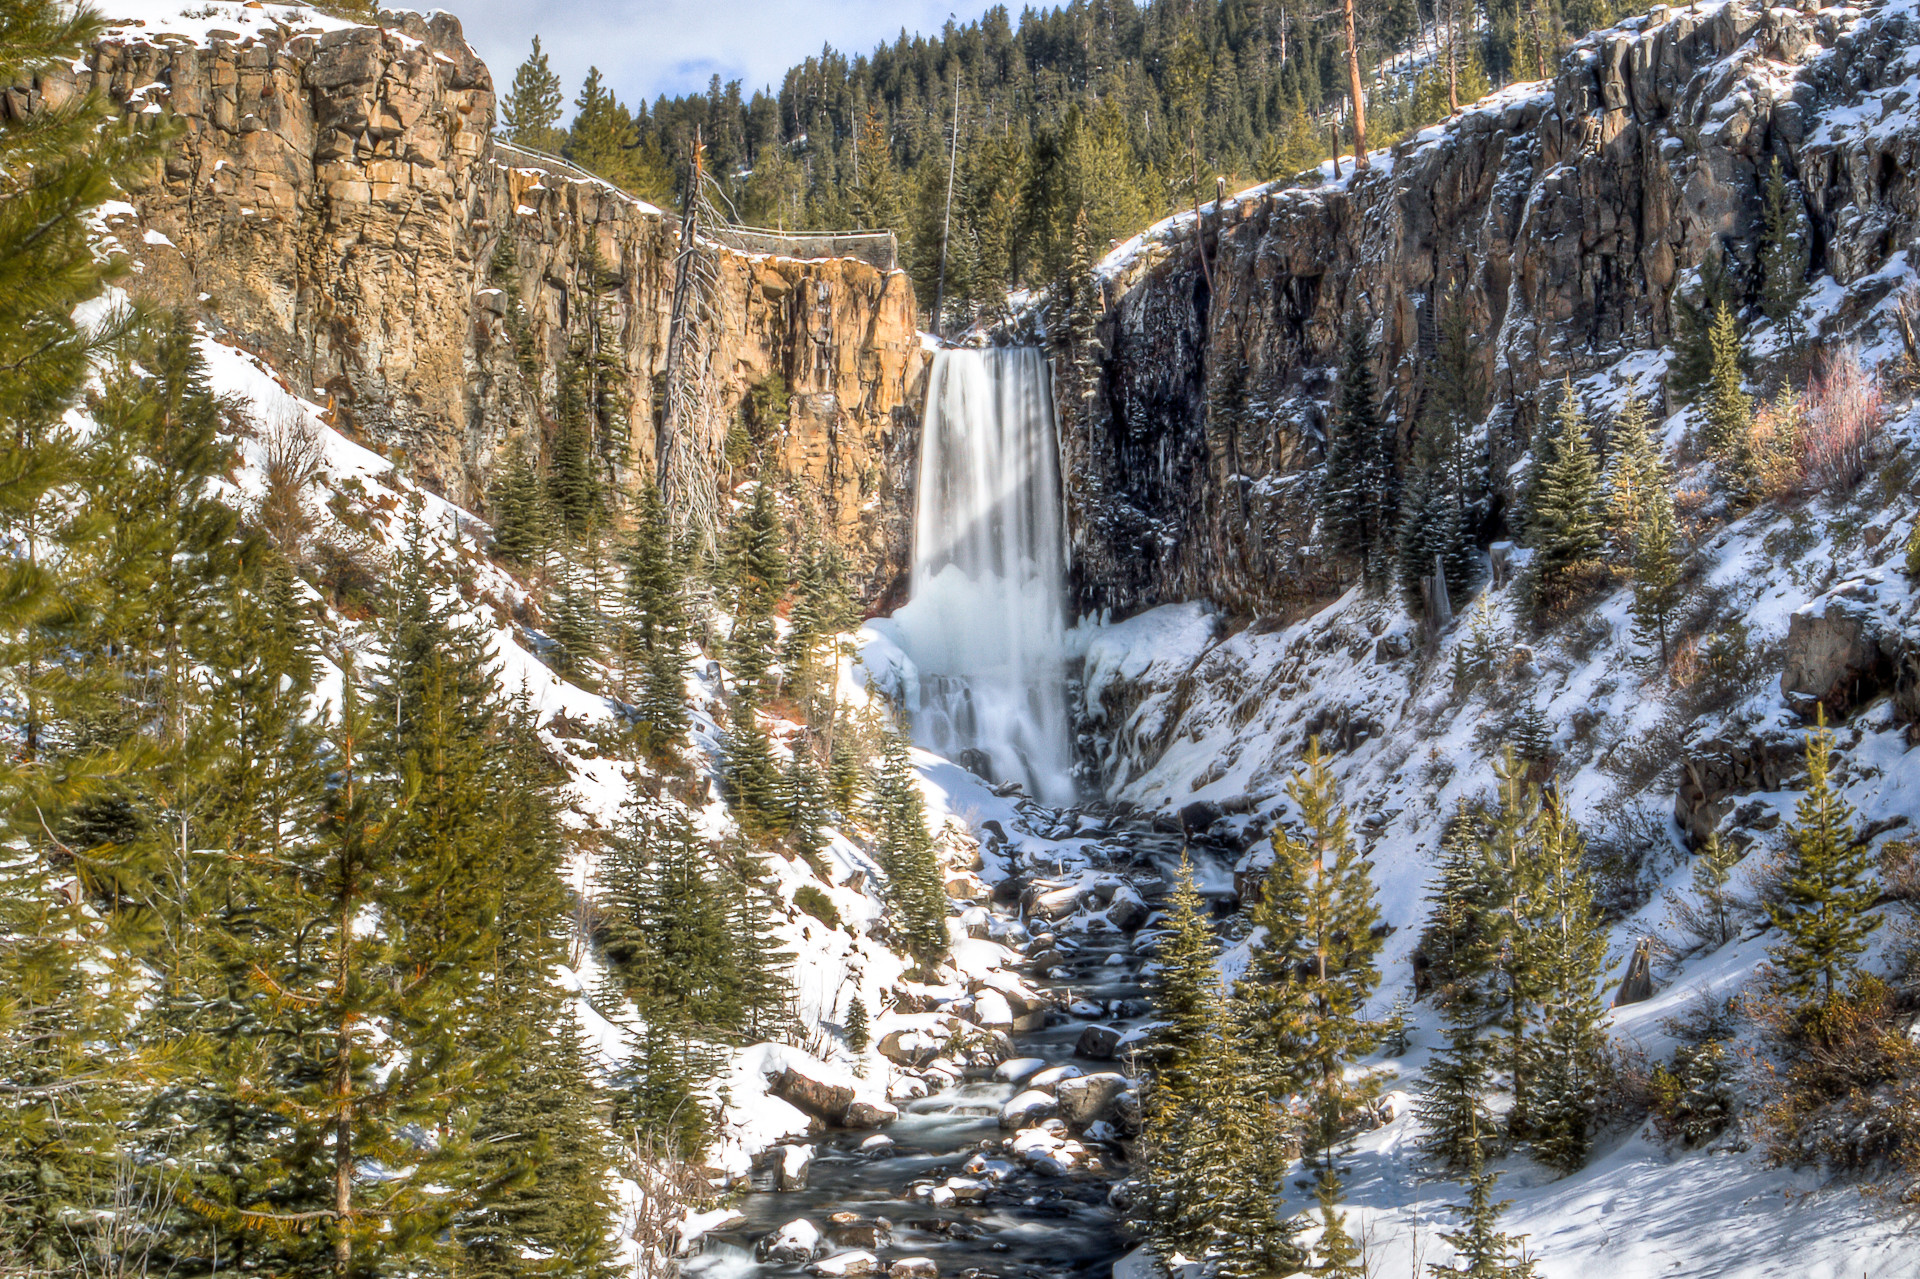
x=647 y=47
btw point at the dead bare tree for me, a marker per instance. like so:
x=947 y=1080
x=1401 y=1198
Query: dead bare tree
x=117 y=1240
x=294 y=454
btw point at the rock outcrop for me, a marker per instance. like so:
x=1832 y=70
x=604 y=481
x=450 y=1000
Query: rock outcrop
x=334 y=201
x=1560 y=216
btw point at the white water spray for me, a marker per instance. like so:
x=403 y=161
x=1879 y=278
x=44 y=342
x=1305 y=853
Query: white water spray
x=985 y=624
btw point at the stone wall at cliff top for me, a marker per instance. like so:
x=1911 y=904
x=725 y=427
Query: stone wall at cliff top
x=333 y=201
x=1561 y=215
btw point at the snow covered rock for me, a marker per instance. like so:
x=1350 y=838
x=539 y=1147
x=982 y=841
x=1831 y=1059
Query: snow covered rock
x=1089 y=1098
x=1050 y=1079
x=866 y=1112
x=1016 y=1069
x=847 y=1265
x=1028 y=1108
x=794 y=1244
x=913 y=1268
x=790 y=1173
x=819 y=1099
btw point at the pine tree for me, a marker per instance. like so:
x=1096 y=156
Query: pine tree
x=573 y=496
x=1729 y=409
x=1693 y=321
x=804 y=797
x=1712 y=871
x=551 y=1158
x=916 y=895
x=1824 y=913
x=858 y=1032
x=1309 y=983
x=1481 y=1251
x=573 y=624
x=654 y=626
x=1563 y=522
x=759 y=573
x=1783 y=254
x=1511 y=889
x=753 y=781
x=1209 y=1139
x=1656 y=574
x=1183 y=1001
x=1358 y=496
x=602 y=137
x=518 y=508
x=1635 y=470
x=531 y=108
x=1561 y=946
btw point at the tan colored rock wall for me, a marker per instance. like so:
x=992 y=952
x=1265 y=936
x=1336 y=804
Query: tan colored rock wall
x=333 y=201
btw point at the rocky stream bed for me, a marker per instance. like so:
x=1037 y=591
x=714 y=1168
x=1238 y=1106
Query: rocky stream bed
x=1008 y=1147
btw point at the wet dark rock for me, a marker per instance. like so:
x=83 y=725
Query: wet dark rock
x=1097 y=1043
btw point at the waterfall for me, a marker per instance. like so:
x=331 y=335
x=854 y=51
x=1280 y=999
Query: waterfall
x=985 y=621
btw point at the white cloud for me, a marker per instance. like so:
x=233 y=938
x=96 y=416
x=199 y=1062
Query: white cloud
x=647 y=47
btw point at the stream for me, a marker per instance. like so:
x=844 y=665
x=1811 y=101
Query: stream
x=1025 y=1223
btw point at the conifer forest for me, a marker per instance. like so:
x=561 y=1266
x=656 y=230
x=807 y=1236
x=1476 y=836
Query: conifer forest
x=1143 y=639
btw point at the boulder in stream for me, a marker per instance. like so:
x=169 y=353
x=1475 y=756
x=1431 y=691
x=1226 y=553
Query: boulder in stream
x=816 y=1098
x=848 y=1265
x=1097 y=1043
x=794 y=1244
x=1028 y=1108
x=790 y=1173
x=863 y=1112
x=913 y=1268
x=1090 y=1098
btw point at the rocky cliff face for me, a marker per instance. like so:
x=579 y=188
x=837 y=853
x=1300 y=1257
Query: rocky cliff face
x=1562 y=215
x=333 y=201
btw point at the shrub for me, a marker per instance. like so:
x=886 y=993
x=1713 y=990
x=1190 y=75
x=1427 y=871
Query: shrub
x=1845 y=1092
x=1692 y=1095
x=818 y=904
x=1845 y=415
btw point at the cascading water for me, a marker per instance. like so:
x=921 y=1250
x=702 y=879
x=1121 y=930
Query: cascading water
x=985 y=623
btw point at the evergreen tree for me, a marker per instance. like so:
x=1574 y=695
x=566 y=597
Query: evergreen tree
x=1309 y=983
x=1561 y=946
x=1358 y=496
x=1443 y=491
x=858 y=1031
x=764 y=967
x=916 y=895
x=573 y=496
x=655 y=627
x=1729 y=409
x=1563 y=520
x=759 y=579
x=1209 y=1139
x=753 y=781
x=518 y=508
x=1183 y=1001
x=573 y=624
x=1824 y=913
x=1693 y=322
x=1458 y=943
x=1656 y=573
x=1712 y=871
x=1481 y=1250
x=552 y=1158
x=531 y=109
x=1635 y=470
x=1511 y=890
x=804 y=796
x=603 y=136
x=1783 y=253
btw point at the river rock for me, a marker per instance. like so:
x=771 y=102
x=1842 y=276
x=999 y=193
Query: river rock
x=878 y=1146
x=818 y=1099
x=1127 y=911
x=1097 y=1043
x=1049 y=1080
x=1126 y=1113
x=965 y=886
x=913 y=1268
x=1088 y=1098
x=1017 y=1069
x=847 y=1265
x=990 y=1009
x=907 y=1088
x=790 y=1173
x=864 y=1112
x=1027 y=1108
x=912 y=1047
x=794 y=1244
